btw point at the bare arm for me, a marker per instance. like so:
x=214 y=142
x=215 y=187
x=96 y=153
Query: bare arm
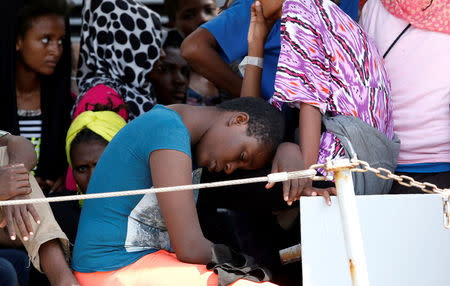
x=54 y=264
x=199 y=50
x=20 y=150
x=172 y=168
x=291 y=157
x=309 y=130
x=257 y=34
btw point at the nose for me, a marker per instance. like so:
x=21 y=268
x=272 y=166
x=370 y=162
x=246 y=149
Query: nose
x=91 y=170
x=203 y=18
x=230 y=168
x=54 y=48
x=179 y=78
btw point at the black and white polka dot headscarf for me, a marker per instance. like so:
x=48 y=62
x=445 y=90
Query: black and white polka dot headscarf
x=120 y=43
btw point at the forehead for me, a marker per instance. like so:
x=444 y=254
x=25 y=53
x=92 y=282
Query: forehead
x=88 y=150
x=260 y=153
x=194 y=4
x=47 y=24
x=173 y=56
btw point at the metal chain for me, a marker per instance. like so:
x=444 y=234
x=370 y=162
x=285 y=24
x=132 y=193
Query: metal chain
x=360 y=166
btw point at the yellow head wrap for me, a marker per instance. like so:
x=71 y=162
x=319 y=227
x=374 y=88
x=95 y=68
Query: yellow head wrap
x=104 y=123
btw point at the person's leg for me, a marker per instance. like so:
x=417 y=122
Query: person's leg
x=441 y=180
x=21 y=263
x=160 y=268
x=8 y=276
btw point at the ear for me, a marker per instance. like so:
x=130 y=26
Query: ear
x=19 y=43
x=239 y=118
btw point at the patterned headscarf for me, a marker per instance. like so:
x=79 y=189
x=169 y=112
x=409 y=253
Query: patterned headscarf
x=432 y=15
x=120 y=43
x=104 y=123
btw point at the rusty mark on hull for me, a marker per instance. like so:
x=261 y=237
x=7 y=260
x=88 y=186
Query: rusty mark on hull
x=352 y=270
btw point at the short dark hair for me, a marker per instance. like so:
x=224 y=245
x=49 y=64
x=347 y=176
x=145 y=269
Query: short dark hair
x=173 y=39
x=37 y=8
x=171 y=8
x=84 y=136
x=266 y=123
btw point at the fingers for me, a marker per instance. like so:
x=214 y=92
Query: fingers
x=26 y=218
x=34 y=214
x=286 y=189
x=19 y=216
x=333 y=191
x=8 y=211
x=294 y=191
x=26 y=190
x=259 y=10
x=325 y=193
x=270 y=185
x=275 y=169
x=20 y=168
x=58 y=185
x=253 y=11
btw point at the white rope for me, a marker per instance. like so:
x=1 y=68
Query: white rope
x=272 y=178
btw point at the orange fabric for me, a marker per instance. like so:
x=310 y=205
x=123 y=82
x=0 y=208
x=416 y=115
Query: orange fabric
x=158 y=269
x=432 y=15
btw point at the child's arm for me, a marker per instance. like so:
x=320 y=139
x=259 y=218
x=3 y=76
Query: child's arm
x=310 y=120
x=199 y=50
x=172 y=168
x=257 y=34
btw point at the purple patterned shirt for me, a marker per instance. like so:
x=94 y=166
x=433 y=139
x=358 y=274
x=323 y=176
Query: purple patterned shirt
x=327 y=61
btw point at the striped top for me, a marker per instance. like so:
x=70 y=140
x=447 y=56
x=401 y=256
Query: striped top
x=30 y=127
x=327 y=61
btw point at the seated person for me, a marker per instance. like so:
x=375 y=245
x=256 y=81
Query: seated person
x=36 y=99
x=14 y=181
x=41 y=237
x=120 y=43
x=86 y=140
x=155 y=239
x=170 y=76
x=186 y=16
x=14 y=267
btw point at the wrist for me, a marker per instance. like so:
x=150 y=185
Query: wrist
x=250 y=60
x=256 y=51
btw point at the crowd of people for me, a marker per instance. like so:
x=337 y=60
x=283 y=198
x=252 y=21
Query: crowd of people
x=241 y=90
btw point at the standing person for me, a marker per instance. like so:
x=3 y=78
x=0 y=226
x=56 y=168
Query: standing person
x=36 y=100
x=222 y=40
x=162 y=243
x=414 y=37
x=332 y=72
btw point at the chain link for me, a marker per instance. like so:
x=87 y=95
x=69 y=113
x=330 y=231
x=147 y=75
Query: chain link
x=360 y=166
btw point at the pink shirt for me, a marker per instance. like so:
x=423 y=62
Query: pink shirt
x=419 y=69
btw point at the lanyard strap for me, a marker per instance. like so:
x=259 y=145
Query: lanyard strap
x=395 y=41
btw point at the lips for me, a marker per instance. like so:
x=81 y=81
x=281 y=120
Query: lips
x=51 y=63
